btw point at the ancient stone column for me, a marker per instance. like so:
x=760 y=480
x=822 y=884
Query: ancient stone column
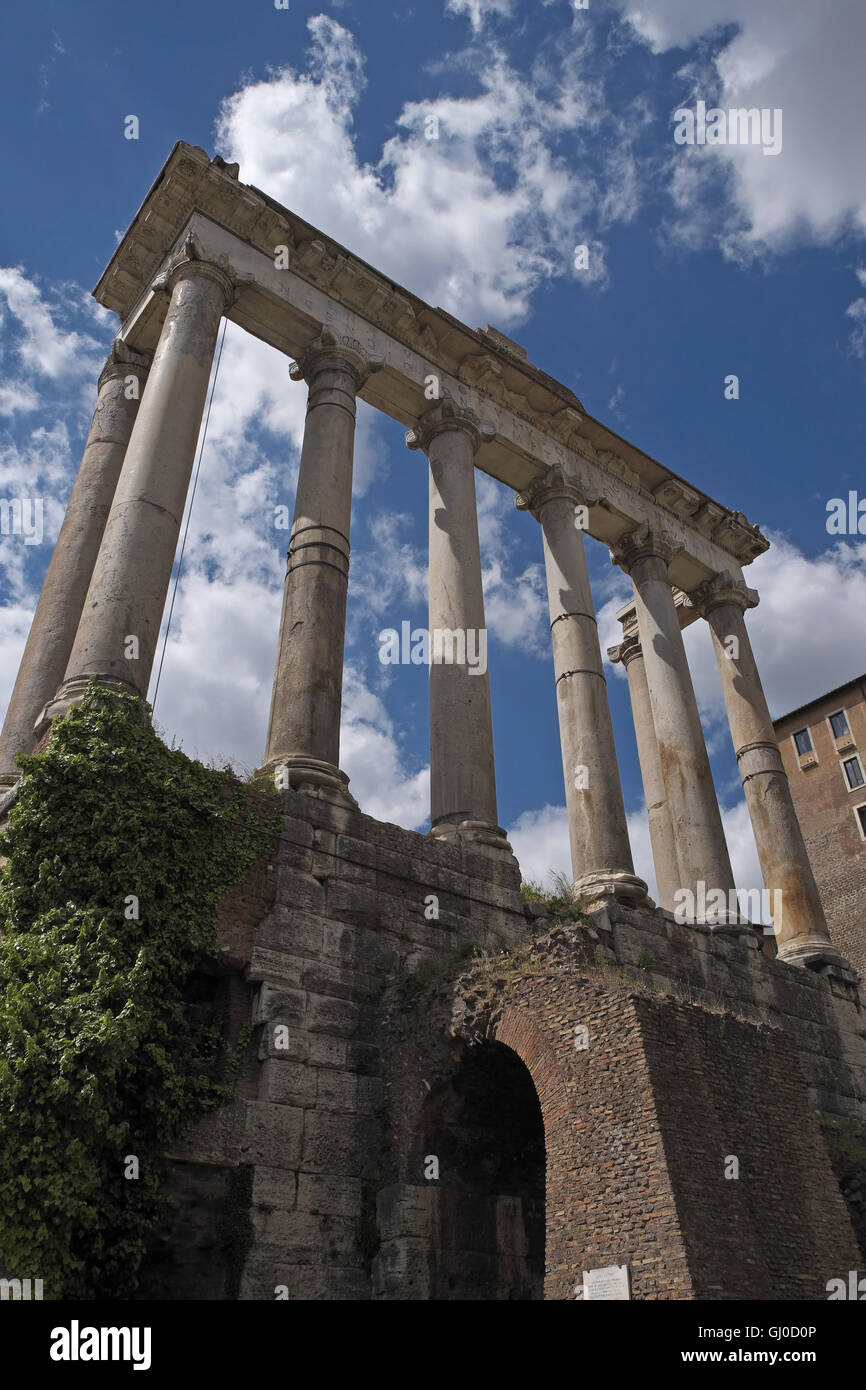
x=117 y=636
x=702 y=855
x=304 y=728
x=598 y=832
x=661 y=830
x=801 y=927
x=462 y=778
x=64 y=589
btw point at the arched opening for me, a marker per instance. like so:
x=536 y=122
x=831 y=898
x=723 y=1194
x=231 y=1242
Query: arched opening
x=485 y=1130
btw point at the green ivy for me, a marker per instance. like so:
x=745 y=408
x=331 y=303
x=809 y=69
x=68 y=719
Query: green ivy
x=101 y=1054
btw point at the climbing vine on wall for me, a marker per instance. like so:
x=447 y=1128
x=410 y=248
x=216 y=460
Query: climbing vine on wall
x=118 y=852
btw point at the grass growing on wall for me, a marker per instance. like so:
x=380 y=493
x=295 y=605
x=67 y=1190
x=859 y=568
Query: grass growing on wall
x=118 y=853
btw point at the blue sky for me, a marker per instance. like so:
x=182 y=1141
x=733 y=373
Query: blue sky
x=555 y=129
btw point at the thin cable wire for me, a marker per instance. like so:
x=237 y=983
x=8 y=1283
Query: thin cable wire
x=189 y=514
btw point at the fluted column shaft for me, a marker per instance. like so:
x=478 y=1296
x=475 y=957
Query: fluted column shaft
x=661 y=830
x=702 y=854
x=58 y=612
x=462 y=776
x=119 y=629
x=598 y=832
x=304 y=728
x=801 y=929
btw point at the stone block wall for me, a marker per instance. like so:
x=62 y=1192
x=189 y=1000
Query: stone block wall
x=378 y=1044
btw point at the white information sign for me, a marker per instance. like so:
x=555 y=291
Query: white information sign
x=611 y=1282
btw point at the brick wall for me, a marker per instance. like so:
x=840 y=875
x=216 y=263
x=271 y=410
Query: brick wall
x=825 y=809
x=760 y=1211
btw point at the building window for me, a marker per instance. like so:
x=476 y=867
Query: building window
x=854 y=773
x=839 y=724
x=803 y=741
x=860 y=814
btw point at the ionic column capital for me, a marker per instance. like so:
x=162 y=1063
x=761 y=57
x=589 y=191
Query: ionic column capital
x=446 y=416
x=625 y=651
x=189 y=261
x=723 y=588
x=122 y=362
x=337 y=353
x=644 y=541
x=553 y=485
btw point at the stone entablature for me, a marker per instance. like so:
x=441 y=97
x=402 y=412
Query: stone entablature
x=537 y=421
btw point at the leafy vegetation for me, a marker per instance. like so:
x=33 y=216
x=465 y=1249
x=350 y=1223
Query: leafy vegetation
x=118 y=852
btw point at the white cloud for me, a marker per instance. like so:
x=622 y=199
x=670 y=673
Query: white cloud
x=337 y=63
x=389 y=575
x=742 y=848
x=18 y=398
x=44 y=346
x=15 y=620
x=857 y=312
x=494 y=178
x=38 y=471
x=371 y=755
x=540 y=841
x=515 y=595
x=796 y=641
x=214 y=693
x=214 y=697
x=46 y=363
x=802 y=57
x=477 y=11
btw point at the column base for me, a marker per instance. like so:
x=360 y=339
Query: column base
x=71 y=693
x=313 y=777
x=813 y=952
x=479 y=833
x=596 y=890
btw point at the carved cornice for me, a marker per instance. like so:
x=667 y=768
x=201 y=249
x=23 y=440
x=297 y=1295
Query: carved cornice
x=188 y=260
x=447 y=415
x=553 y=484
x=359 y=288
x=332 y=350
x=730 y=530
x=122 y=362
x=722 y=589
x=610 y=462
x=644 y=541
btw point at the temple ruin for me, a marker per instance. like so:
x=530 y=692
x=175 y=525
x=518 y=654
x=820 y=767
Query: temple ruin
x=559 y=1152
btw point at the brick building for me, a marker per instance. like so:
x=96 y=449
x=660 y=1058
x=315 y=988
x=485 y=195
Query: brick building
x=823 y=746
